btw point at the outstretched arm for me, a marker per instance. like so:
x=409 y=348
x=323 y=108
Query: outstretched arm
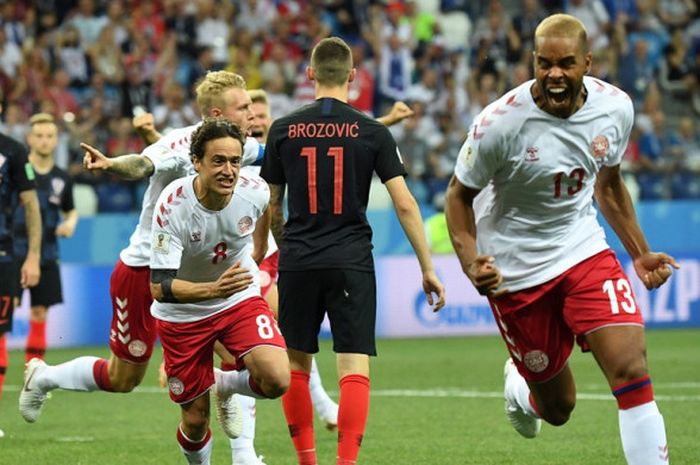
x=615 y=204
x=399 y=111
x=131 y=166
x=461 y=224
x=412 y=224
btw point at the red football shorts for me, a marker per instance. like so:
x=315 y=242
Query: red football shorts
x=539 y=324
x=133 y=330
x=188 y=348
x=268 y=272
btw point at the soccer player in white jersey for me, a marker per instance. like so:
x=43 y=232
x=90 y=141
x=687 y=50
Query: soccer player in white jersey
x=133 y=331
x=521 y=217
x=205 y=284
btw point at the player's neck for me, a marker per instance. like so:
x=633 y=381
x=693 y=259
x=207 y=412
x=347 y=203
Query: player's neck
x=338 y=93
x=42 y=165
x=208 y=198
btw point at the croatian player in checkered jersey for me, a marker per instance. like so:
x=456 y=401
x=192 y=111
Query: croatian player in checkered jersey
x=208 y=233
x=133 y=331
x=521 y=217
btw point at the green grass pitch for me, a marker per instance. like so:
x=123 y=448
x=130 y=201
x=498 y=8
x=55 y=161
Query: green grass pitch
x=434 y=402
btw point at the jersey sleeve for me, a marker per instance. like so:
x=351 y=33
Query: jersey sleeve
x=67 y=202
x=166 y=241
x=271 y=170
x=253 y=152
x=625 y=123
x=389 y=163
x=21 y=171
x=163 y=158
x=479 y=157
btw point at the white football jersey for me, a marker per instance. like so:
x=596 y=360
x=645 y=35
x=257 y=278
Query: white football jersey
x=201 y=244
x=171 y=160
x=537 y=173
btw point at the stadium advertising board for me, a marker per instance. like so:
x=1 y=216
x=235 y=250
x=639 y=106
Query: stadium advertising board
x=402 y=311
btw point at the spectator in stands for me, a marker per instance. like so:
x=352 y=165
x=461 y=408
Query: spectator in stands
x=10 y=56
x=395 y=70
x=595 y=18
x=174 y=111
x=636 y=71
x=106 y=56
x=87 y=22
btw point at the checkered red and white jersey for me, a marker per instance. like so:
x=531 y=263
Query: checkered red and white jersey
x=171 y=160
x=537 y=173
x=201 y=244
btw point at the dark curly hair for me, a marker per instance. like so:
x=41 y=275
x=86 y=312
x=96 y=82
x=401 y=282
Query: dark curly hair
x=214 y=128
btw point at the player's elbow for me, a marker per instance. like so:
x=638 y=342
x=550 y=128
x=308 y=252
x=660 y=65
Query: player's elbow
x=156 y=291
x=405 y=206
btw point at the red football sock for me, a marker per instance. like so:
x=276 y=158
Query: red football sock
x=36 y=341
x=300 y=417
x=100 y=371
x=352 y=417
x=3 y=360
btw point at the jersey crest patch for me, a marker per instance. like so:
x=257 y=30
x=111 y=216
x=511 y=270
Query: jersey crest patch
x=532 y=154
x=600 y=146
x=161 y=243
x=137 y=348
x=176 y=386
x=536 y=361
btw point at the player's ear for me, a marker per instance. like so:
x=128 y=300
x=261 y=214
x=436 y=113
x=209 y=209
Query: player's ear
x=310 y=73
x=351 y=76
x=215 y=112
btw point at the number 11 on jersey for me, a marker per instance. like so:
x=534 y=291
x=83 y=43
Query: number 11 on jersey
x=311 y=170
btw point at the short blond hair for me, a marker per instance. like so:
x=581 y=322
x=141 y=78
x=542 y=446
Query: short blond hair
x=258 y=96
x=563 y=25
x=210 y=91
x=41 y=118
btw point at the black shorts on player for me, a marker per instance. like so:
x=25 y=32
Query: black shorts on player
x=9 y=287
x=49 y=290
x=347 y=296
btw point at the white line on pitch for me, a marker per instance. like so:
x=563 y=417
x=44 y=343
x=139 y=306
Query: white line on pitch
x=446 y=392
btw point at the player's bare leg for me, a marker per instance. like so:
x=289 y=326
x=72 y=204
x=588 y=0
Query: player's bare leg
x=621 y=353
x=193 y=433
x=125 y=376
x=243 y=447
x=81 y=374
x=36 y=339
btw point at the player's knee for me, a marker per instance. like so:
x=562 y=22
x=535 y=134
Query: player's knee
x=558 y=412
x=628 y=371
x=276 y=383
x=195 y=424
x=125 y=384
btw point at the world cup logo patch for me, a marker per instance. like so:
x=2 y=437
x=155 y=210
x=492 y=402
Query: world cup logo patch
x=245 y=224
x=600 y=146
x=536 y=361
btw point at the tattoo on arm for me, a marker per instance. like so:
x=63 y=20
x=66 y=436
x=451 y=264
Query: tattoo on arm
x=132 y=166
x=32 y=214
x=277 y=223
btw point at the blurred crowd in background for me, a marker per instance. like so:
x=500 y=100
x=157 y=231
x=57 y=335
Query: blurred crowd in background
x=93 y=63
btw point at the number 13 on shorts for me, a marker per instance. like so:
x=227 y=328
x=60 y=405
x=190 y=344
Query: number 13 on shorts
x=619 y=294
